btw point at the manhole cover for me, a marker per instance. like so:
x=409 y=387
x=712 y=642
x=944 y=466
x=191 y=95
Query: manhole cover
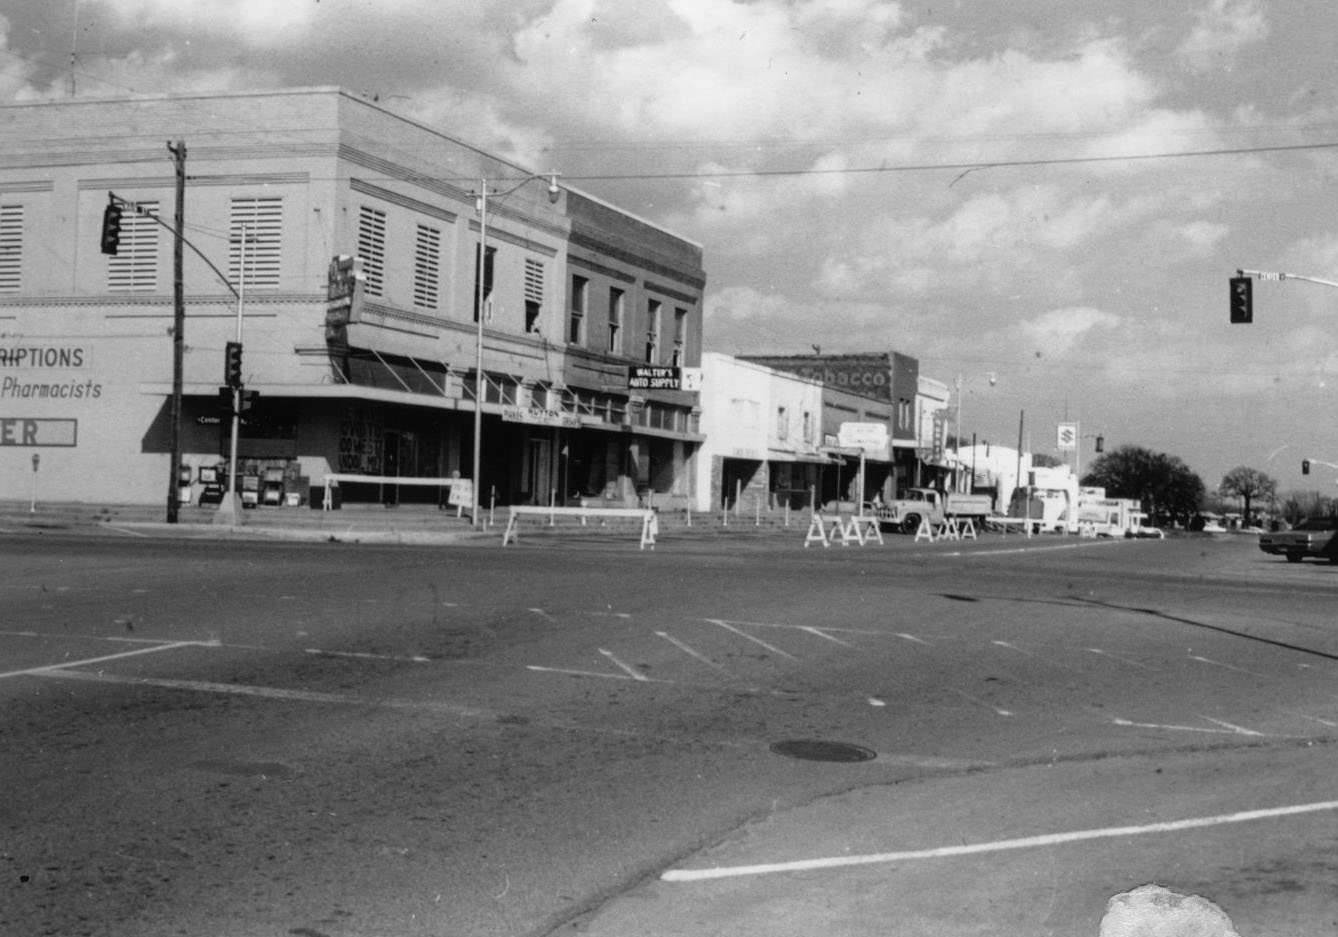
x=818 y=750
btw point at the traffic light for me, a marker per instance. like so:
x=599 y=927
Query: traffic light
x=246 y=400
x=232 y=364
x=111 y=228
x=1242 y=300
x=1305 y=466
x=225 y=400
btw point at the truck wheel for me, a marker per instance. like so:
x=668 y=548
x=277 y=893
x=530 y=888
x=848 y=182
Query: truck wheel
x=910 y=524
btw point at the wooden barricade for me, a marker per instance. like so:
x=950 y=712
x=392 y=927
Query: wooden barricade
x=650 y=522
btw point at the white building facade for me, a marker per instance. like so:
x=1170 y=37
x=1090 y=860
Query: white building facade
x=370 y=375
x=763 y=437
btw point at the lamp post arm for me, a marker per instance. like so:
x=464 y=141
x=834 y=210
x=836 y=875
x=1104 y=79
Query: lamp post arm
x=134 y=206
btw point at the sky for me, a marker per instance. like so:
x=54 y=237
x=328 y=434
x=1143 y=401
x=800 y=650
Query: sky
x=1040 y=201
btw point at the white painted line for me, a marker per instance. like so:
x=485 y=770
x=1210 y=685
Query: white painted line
x=1025 y=653
x=1012 y=550
x=1239 y=730
x=691 y=652
x=970 y=849
x=1227 y=729
x=267 y=692
x=743 y=634
x=578 y=673
x=626 y=668
x=1119 y=657
x=772 y=624
x=913 y=638
x=822 y=633
x=542 y=614
x=362 y=655
x=980 y=702
x=49 y=668
x=127 y=530
x=1218 y=663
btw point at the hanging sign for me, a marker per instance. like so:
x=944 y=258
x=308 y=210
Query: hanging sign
x=1066 y=438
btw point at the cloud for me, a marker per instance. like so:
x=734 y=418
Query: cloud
x=1222 y=28
x=1057 y=332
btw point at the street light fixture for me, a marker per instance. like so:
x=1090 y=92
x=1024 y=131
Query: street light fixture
x=993 y=379
x=482 y=196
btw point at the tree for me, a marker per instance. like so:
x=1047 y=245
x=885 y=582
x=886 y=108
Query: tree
x=1247 y=484
x=1164 y=484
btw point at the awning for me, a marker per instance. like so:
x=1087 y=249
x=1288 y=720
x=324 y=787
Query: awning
x=403 y=398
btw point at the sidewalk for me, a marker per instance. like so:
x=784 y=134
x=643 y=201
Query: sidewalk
x=375 y=523
x=1028 y=851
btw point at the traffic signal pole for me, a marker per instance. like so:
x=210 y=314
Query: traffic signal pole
x=178 y=151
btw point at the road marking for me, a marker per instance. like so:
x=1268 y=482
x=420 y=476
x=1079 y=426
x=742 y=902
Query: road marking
x=1218 y=663
x=1002 y=845
x=980 y=702
x=913 y=638
x=1025 y=653
x=743 y=634
x=1118 y=657
x=822 y=633
x=771 y=624
x=1227 y=728
x=692 y=652
x=50 y=668
x=362 y=655
x=626 y=668
x=1003 y=551
x=542 y=614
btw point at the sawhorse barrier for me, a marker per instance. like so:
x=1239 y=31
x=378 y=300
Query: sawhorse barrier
x=846 y=530
x=650 y=523
x=950 y=528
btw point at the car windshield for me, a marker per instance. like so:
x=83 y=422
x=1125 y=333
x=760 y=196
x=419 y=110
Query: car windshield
x=1318 y=523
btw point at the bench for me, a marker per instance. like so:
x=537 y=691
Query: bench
x=650 y=524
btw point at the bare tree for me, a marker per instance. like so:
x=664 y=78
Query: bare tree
x=1249 y=485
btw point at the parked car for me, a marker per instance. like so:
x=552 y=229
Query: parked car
x=1311 y=537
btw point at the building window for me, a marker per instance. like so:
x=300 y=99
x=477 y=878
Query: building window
x=904 y=414
x=372 y=249
x=534 y=293
x=782 y=423
x=484 y=282
x=615 y=320
x=426 y=267
x=680 y=337
x=652 y=330
x=808 y=427
x=254 y=235
x=11 y=248
x=134 y=266
x=580 y=287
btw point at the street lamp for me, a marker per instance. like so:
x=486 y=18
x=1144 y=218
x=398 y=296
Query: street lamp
x=990 y=376
x=482 y=196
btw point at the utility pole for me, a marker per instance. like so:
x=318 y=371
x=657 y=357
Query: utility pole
x=178 y=151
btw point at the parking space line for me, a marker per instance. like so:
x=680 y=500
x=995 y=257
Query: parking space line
x=1226 y=727
x=626 y=668
x=690 y=651
x=1002 y=845
x=152 y=649
x=748 y=637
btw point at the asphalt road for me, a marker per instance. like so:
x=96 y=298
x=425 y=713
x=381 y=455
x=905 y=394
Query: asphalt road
x=577 y=737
